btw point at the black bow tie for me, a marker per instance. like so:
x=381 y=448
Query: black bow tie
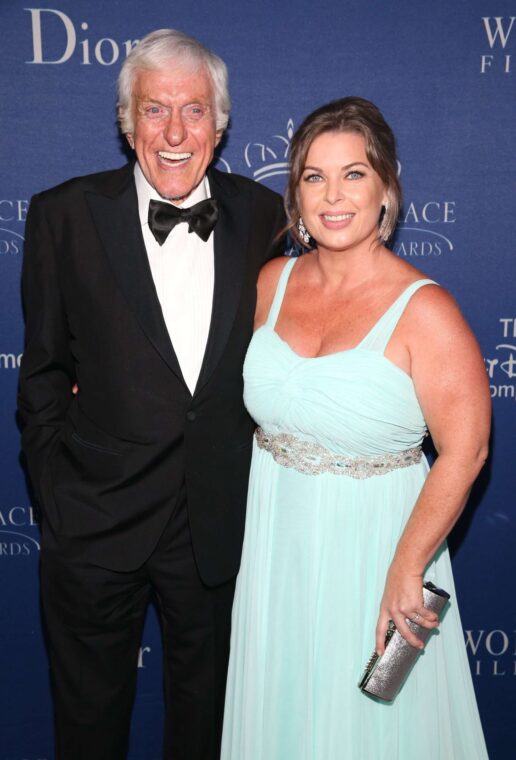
x=200 y=218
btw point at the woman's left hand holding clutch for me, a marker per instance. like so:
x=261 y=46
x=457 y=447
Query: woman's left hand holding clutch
x=403 y=599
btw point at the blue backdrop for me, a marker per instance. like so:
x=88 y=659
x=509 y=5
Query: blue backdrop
x=444 y=74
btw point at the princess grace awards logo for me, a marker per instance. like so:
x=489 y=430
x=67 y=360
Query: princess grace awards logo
x=501 y=366
x=57 y=39
x=269 y=159
x=18 y=531
x=421 y=229
x=500 y=32
x=11 y=242
x=221 y=164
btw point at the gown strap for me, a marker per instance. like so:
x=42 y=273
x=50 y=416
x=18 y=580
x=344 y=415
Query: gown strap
x=281 y=287
x=380 y=334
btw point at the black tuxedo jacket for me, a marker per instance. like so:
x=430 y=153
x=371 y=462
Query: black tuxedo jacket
x=109 y=463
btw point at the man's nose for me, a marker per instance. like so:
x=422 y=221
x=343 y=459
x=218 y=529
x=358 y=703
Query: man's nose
x=175 y=128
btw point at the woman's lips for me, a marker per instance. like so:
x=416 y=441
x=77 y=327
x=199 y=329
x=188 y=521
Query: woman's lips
x=336 y=221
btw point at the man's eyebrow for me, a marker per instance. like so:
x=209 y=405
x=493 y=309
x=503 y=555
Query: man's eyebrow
x=145 y=99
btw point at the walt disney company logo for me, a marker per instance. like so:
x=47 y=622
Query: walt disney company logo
x=501 y=368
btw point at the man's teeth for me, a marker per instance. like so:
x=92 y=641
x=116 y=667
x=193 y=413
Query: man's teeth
x=174 y=156
x=337 y=217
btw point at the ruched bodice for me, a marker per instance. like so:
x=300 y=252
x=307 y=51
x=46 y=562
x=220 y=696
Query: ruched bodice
x=355 y=402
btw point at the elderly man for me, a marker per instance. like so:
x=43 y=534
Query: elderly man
x=139 y=288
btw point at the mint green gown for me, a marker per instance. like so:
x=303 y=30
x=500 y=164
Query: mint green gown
x=315 y=556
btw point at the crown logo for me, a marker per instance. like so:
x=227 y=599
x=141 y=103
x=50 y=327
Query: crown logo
x=221 y=164
x=269 y=159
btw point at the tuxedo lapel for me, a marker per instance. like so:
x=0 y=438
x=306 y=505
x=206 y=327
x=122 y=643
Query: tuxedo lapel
x=115 y=214
x=230 y=245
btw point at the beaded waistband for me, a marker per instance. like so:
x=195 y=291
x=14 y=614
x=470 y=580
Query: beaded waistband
x=314 y=459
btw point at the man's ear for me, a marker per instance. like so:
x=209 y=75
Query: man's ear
x=218 y=136
x=130 y=139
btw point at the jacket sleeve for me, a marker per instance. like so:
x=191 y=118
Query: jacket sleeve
x=47 y=367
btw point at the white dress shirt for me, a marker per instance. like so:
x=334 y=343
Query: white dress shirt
x=183 y=273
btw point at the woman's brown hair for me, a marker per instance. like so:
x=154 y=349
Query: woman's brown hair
x=356 y=115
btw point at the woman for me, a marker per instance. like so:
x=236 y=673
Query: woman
x=355 y=356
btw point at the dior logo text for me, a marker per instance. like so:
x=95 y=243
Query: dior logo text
x=64 y=42
x=141 y=652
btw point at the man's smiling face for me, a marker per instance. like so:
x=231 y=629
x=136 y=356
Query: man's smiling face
x=174 y=128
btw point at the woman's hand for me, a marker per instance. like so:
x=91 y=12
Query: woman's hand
x=403 y=599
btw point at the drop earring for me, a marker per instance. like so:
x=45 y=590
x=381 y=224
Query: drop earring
x=303 y=232
x=383 y=223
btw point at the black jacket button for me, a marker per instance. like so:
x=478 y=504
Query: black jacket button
x=190 y=416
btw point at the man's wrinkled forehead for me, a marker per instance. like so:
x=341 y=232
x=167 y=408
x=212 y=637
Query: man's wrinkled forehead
x=179 y=75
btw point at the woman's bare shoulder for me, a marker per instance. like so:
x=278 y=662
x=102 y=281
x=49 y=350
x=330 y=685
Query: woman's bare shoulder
x=433 y=303
x=271 y=271
x=433 y=322
x=431 y=309
x=266 y=287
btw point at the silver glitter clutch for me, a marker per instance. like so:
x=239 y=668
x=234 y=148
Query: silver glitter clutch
x=384 y=676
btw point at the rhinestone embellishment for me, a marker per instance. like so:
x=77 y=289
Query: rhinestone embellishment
x=314 y=459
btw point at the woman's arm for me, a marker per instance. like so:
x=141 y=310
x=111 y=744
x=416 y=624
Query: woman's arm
x=452 y=387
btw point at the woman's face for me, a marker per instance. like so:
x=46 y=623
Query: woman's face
x=340 y=194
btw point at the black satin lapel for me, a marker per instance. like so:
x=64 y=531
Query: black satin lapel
x=118 y=225
x=229 y=244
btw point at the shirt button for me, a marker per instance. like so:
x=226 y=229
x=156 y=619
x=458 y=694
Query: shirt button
x=190 y=416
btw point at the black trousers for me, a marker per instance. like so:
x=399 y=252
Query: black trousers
x=94 y=619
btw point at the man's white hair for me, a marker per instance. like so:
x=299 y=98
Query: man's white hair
x=164 y=50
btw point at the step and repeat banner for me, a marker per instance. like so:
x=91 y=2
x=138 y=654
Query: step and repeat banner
x=444 y=75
